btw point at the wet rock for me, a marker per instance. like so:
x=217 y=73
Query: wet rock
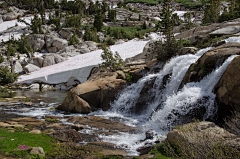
x=150 y=134
x=209 y=61
x=103 y=124
x=67 y=135
x=78 y=105
x=37 y=151
x=228 y=89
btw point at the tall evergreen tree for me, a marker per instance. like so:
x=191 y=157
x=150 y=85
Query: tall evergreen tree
x=170 y=47
x=211 y=11
x=98 y=21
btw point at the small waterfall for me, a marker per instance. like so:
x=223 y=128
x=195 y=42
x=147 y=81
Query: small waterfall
x=165 y=106
x=176 y=69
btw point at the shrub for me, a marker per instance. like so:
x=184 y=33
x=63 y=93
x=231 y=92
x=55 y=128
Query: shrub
x=7 y=76
x=11 y=50
x=73 y=21
x=111 y=62
x=90 y=35
x=1 y=58
x=73 y=39
x=110 y=41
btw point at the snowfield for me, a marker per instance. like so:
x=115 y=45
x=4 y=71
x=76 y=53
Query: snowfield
x=80 y=66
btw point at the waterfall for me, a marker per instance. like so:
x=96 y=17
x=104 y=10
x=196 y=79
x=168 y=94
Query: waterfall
x=166 y=106
x=177 y=67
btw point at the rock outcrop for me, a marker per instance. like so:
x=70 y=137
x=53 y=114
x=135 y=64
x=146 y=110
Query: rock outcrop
x=36 y=41
x=228 y=89
x=202 y=136
x=55 y=44
x=98 y=92
x=209 y=61
x=30 y=68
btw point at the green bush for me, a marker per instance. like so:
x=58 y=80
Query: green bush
x=110 y=41
x=73 y=39
x=11 y=50
x=73 y=21
x=111 y=62
x=90 y=35
x=1 y=58
x=5 y=93
x=6 y=76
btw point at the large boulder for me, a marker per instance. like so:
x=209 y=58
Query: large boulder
x=38 y=61
x=147 y=55
x=98 y=92
x=17 y=67
x=228 y=89
x=52 y=59
x=13 y=14
x=66 y=33
x=209 y=61
x=202 y=138
x=30 y=68
x=55 y=44
x=36 y=41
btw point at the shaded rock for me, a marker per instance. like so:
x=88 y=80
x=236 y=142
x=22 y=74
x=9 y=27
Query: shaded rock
x=150 y=134
x=98 y=91
x=187 y=50
x=66 y=33
x=228 y=89
x=37 y=151
x=200 y=134
x=209 y=61
x=38 y=61
x=37 y=41
x=67 y=135
x=78 y=105
x=55 y=44
x=30 y=68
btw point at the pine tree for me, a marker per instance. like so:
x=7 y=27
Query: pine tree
x=98 y=21
x=171 y=46
x=36 y=25
x=211 y=11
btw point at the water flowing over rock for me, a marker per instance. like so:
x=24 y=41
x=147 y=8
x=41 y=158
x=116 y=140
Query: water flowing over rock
x=209 y=61
x=228 y=89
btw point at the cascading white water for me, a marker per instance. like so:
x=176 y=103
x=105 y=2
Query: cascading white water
x=173 y=103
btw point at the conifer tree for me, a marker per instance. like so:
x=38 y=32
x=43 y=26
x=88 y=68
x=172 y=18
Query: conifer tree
x=170 y=47
x=98 y=21
x=211 y=11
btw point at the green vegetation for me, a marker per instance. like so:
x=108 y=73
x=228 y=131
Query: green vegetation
x=73 y=39
x=98 y=21
x=51 y=120
x=5 y=93
x=126 y=32
x=111 y=62
x=36 y=25
x=171 y=45
x=211 y=11
x=190 y=4
x=9 y=142
x=7 y=76
x=73 y=21
x=91 y=35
